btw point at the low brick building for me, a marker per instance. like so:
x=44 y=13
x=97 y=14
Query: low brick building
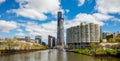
x=115 y=35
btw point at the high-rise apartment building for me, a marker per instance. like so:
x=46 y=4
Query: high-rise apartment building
x=80 y=36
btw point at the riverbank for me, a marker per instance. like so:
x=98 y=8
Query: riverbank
x=6 y=52
x=97 y=53
x=54 y=55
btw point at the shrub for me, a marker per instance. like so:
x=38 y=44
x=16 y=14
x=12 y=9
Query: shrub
x=111 y=51
x=117 y=39
x=86 y=51
x=83 y=51
x=100 y=51
x=77 y=50
x=111 y=40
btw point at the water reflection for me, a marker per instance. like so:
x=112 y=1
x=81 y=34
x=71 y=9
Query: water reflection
x=53 y=55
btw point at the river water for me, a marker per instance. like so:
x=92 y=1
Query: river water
x=53 y=55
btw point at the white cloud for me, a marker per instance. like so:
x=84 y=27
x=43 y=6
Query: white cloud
x=81 y=2
x=20 y=34
x=19 y=30
x=42 y=29
x=96 y=18
x=108 y=6
x=30 y=13
x=37 y=9
x=67 y=10
x=102 y=17
x=52 y=26
x=1 y=1
x=6 y=26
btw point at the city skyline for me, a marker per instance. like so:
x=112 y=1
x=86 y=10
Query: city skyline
x=31 y=18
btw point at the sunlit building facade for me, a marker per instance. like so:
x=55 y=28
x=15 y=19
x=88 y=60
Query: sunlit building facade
x=80 y=36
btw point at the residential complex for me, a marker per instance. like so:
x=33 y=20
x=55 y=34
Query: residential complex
x=80 y=36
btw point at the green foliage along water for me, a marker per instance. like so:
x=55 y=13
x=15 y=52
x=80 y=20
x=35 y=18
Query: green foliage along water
x=99 y=51
x=83 y=51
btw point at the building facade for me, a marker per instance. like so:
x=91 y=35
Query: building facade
x=60 y=30
x=105 y=34
x=80 y=36
x=27 y=38
x=51 y=41
x=114 y=35
x=38 y=39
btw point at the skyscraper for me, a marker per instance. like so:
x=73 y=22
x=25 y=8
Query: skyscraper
x=60 y=29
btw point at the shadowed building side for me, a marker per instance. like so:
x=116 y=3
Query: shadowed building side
x=51 y=41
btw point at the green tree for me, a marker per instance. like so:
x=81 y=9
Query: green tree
x=115 y=46
x=100 y=51
x=94 y=45
x=10 y=44
x=117 y=39
x=87 y=51
x=111 y=40
x=101 y=39
x=27 y=46
x=111 y=51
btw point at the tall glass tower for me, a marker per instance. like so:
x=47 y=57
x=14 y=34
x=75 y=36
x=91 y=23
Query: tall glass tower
x=60 y=30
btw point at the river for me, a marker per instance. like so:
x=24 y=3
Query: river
x=53 y=55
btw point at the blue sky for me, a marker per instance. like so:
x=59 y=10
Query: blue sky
x=38 y=17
